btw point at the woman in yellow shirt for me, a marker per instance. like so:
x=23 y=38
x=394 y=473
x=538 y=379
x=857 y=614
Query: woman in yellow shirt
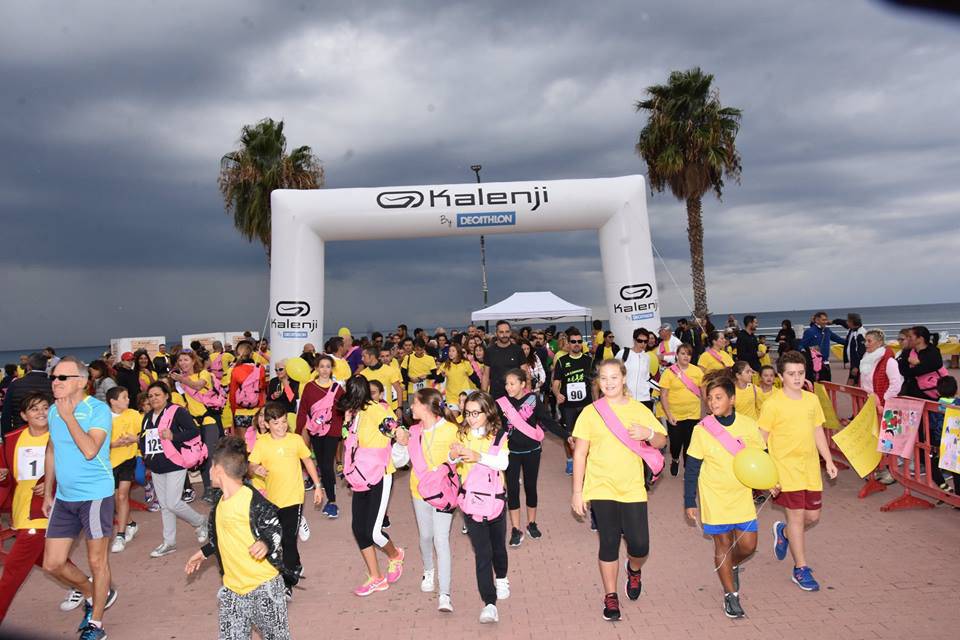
x=748 y=399
x=204 y=402
x=680 y=396
x=611 y=478
x=715 y=358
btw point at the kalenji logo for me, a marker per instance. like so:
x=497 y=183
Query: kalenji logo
x=288 y=308
x=400 y=199
x=636 y=291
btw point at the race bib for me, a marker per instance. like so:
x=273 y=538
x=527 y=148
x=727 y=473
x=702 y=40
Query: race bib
x=151 y=442
x=30 y=463
x=417 y=386
x=576 y=391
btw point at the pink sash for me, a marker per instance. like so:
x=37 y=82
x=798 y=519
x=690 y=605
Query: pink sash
x=651 y=456
x=321 y=413
x=517 y=421
x=687 y=382
x=476 y=368
x=664 y=352
x=716 y=355
x=714 y=428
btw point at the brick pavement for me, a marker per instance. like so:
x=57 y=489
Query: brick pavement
x=884 y=575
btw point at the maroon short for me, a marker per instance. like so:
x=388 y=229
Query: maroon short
x=809 y=500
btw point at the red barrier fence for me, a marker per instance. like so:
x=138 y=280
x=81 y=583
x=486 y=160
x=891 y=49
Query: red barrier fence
x=914 y=475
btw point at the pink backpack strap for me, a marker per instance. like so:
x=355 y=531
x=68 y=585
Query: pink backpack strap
x=687 y=382
x=651 y=456
x=170 y=450
x=716 y=355
x=415 y=449
x=517 y=421
x=712 y=426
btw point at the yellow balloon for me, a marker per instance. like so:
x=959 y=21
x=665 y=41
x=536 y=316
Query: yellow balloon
x=755 y=469
x=298 y=369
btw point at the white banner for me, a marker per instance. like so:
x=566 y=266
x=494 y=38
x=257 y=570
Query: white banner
x=206 y=339
x=152 y=344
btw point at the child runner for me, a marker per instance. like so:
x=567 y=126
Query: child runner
x=791 y=421
x=524 y=416
x=680 y=398
x=245 y=534
x=748 y=398
x=123 y=459
x=611 y=478
x=368 y=468
x=319 y=419
x=768 y=377
x=726 y=510
x=482 y=497
x=278 y=457
x=435 y=432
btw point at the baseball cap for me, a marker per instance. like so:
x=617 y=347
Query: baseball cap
x=127 y=356
x=344 y=332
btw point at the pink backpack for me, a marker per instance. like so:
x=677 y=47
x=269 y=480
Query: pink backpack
x=482 y=495
x=248 y=395
x=321 y=413
x=927 y=383
x=215 y=398
x=250 y=437
x=438 y=487
x=712 y=426
x=191 y=453
x=518 y=420
x=363 y=468
x=652 y=457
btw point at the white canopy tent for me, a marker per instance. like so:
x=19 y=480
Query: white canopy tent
x=532 y=305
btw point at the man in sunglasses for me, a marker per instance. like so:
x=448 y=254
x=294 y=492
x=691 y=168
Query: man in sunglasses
x=572 y=376
x=78 y=464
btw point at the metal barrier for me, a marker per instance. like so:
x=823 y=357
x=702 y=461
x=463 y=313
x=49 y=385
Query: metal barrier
x=913 y=474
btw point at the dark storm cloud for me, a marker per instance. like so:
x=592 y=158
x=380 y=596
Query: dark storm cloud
x=114 y=121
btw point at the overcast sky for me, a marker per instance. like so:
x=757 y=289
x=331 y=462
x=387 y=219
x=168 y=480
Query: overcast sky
x=113 y=118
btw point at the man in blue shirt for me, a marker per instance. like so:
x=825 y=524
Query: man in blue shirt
x=78 y=463
x=815 y=344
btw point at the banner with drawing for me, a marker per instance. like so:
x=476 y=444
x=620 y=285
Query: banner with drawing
x=858 y=440
x=898 y=426
x=950 y=441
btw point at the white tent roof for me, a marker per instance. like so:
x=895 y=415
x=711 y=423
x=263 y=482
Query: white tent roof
x=532 y=305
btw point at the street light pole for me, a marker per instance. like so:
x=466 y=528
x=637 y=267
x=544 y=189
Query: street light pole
x=483 y=255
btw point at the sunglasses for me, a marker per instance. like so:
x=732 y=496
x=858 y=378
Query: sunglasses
x=575 y=341
x=279 y=369
x=62 y=377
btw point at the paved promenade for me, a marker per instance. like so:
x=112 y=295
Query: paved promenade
x=884 y=575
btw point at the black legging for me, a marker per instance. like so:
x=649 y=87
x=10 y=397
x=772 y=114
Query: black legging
x=680 y=435
x=368 y=510
x=529 y=463
x=490 y=549
x=289 y=526
x=325 y=448
x=627 y=519
x=210 y=434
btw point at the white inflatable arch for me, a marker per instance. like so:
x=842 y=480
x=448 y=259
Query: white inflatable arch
x=303 y=221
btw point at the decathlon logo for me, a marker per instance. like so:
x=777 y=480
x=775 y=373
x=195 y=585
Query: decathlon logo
x=400 y=199
x=495 y=219
x=636 y=291
x=292 y=308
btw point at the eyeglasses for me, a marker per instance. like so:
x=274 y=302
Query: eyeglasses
x=472 y=414
x=575 y=341
x=63 y=378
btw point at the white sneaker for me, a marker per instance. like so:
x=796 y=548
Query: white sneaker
x=489 y=614
x=444 y=604
x=130 y=531
x=503 y=589
x=72 y=601
x=426 y=585
x=119 y=542
x=202 y=533
x=163 y=550
x=303 y=530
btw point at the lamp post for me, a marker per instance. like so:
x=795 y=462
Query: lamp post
x=483 y=255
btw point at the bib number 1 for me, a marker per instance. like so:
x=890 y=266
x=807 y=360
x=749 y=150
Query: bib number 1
x=30 y=463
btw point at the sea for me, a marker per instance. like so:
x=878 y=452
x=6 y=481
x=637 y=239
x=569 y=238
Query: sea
x=943 y=318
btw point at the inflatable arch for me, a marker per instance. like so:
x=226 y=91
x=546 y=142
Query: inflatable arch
x=303 y=221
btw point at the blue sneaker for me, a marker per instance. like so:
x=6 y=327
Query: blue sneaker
x=87 y=616
x=569 y=467
x=331 y=511
x=803 y=578
x=780 y=540
x=91 y=632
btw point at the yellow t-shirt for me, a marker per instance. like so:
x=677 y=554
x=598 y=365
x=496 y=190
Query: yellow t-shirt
x=684 y=405
x=27 y=468
x=435 y=445
x=480 y=445
x=368 y=430
x=262 y=359
x=387 y=376
x=282 y=458
x=259 y=482
x=791 y=425
x=417 y=367
x=241 y=573
x=341 y=370
x=194 y=406
x=607 y=353
x=748 y=401
x=146 y=378
x=763 y=353
x=614 y=472
x=762 y=395
x=708 y=363
x=458 y=380
x=124 y=424
x=723 y=499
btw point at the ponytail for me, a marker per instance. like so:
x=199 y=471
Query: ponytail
x=433 y=400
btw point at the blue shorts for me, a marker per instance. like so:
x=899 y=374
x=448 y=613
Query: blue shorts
x=714 y=529
x=68 y=519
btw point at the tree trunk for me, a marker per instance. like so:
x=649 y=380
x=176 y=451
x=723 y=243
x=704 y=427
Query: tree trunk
x=695 y=237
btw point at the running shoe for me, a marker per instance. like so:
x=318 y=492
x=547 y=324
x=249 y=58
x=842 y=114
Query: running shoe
x=395 y=567
x=288 y=593
x=426 y=584
x=308 y=484
x=674 y=467
x=444 y=604
x=72 y=601
x=303 y=531
x=516 y=537
x=340 y=470
x=569 y=469
x=153 y=507
x=533 y=531
x=119 y=542
x=503 y=588
x=386 y=522
x=111 y=598
x=759 y=498
x=611 y=607
x=803 y=578
x=202 y=533
x=634 y=586
x=87 y=616
x=207 y=496
x=92 y=632
x=163 y=550
x=370 y=586
x=736 y=578
x=189 y=496
x=131 y=531
x=489 y=615
x=780 y=544
x=731 y=605
x=331 y=511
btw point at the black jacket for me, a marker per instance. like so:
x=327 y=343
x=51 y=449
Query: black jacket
x=930 y=360
x=129 y=380
x=854 y=347
x=16 y=392
x=183 y=427
x=747 y=349
x=520 y=443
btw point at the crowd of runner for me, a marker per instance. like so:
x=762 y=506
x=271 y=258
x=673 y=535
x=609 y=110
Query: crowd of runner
x=466 y=412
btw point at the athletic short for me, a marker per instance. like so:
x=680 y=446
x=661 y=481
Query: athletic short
x=124 y=472
x=803 y=499
x=715 y=529
x=93 y=517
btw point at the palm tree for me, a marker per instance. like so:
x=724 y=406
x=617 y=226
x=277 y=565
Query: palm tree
x=261 y=164
x=689 y=144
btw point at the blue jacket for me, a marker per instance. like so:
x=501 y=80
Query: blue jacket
x=814 y=336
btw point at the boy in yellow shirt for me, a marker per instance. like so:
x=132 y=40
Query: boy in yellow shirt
x=791 y=421
x=123 y=459
x=245 y=534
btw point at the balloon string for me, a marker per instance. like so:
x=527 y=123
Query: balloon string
x=737 y=539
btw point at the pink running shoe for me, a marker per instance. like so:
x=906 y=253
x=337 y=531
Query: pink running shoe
x=370 y=586
x=395 y=567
